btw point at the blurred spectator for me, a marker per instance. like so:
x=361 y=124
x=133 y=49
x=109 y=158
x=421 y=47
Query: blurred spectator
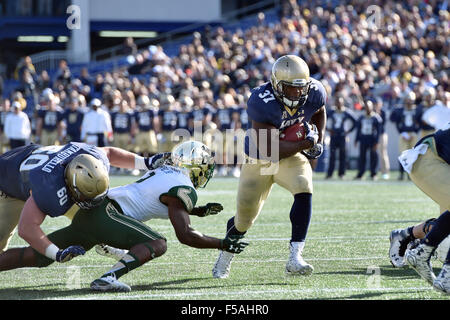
x=385 y=165
x=340 y=122
x=24 y=65
x=85 y=77
x=368 y=129
x=96 y=126
x=49 y=120
x=168 y=123
x=146 y=117
x=43 y=81
x=73 y=118
x=122 y=126
x=63 y=74
x=129 y=47
x=405 y=120
x=428 y=101
x=4 y=111
x=17 y=126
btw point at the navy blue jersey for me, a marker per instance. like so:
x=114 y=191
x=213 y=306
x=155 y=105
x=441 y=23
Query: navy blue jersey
x=442 y=139
x=405 y=120
x=224 y=119
x=183 y=120
x=39 y=171
x=382 y=115
x=50 y=119
x=368 y=129
x=144 y=119
x=243 y=117
x=121 y=122
x=73 y=119
x=200 y=114
x=168 y=120
x=341 y=122
x=263 y=107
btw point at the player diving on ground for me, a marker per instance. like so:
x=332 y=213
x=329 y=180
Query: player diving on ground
x=168 y=192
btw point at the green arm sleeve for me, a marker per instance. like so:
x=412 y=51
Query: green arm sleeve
x=186 y=194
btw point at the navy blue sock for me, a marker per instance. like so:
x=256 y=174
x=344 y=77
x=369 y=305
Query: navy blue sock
x=231 y=229
x=300 y=216
x=440 y=230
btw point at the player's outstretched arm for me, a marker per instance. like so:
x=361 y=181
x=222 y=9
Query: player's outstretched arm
x=128 y=160
x=29 y=229
x=179 y=218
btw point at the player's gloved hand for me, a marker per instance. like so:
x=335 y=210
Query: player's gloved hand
x=210 y=208
x=233 y=244
x=311 y=132
x=64 y=255
x=314 y=152
x=158 y=160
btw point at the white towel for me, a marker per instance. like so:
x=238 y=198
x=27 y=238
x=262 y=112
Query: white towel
x=408 y=157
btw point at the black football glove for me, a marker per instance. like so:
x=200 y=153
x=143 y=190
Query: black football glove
x=311 y=132
x=210 y=208
x=158 y=160
x=314 y=152
x=233 y=244
x=64 y=255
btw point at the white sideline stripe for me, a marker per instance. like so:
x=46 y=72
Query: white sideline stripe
x=257 y=292
x=210 y=262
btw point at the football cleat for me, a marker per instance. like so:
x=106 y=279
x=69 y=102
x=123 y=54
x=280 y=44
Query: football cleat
x=221 y=269
x=296 y=264
x=442 y=281
x=419 y=259
x=109 y=284
x=110 y=252
x=399 y=240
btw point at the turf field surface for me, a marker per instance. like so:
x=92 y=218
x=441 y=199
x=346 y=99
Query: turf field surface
x=347 y=243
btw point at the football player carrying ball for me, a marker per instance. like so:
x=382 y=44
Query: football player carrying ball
x=291 y=97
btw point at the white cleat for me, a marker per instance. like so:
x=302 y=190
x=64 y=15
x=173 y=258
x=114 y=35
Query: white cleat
x=110 y=252
x=296 y=264
x=442 y=281
x=398 y=240
x=109 y=284
x=221 y=269
x=419 y=259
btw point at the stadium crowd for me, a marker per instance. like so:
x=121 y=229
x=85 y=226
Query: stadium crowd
x=389 y=63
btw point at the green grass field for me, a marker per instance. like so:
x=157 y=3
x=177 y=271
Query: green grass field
x=347 y=244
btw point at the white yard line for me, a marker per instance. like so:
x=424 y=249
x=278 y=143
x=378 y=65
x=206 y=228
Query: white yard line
x=253 y=261
x=246 y=293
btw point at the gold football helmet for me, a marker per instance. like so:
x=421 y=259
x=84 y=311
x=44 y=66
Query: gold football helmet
x=87 y=180
x=196 y=158
x=290 y=81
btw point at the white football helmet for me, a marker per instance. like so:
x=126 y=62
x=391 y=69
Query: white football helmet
x=197 y=159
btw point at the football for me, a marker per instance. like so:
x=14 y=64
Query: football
x=296 y=132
